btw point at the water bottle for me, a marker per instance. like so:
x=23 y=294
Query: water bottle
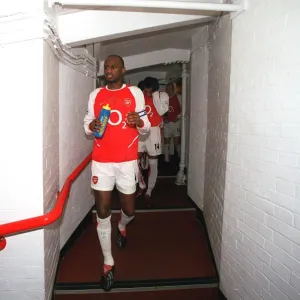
x=103 y=118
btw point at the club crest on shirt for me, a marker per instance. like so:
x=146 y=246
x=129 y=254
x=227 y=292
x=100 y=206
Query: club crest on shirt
x=95 y=179
x=127 y=102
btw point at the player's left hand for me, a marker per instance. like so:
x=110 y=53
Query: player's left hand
x=134 y=119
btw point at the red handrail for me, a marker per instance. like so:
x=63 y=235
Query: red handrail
x=50 y=217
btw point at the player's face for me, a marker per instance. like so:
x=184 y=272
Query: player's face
x=113 y=70
x=170 y=90
x=148 y=91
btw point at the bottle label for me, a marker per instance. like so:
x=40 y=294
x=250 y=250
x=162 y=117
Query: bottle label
x=104 y=119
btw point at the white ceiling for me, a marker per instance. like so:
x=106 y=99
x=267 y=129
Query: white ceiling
x=172 y=68
x=179 y=38
x=66 y=9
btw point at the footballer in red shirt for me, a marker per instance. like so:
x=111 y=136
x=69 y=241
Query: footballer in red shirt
x=115 y=154
x=172 y=123
x=157 y=104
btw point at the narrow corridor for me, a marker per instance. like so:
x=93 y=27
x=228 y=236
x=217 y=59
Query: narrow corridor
x=239 y=64
x=161 y=259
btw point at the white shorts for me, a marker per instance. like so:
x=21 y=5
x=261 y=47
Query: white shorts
x=106 y=175
x=151 y=142
x=172 y=129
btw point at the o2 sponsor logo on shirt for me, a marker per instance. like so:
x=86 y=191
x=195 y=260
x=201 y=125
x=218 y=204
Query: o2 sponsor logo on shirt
x=115 y=118
x=148 y=110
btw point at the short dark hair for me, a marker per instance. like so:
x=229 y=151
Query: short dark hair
x=119 y=58
x=151 y=82
x=141 y=85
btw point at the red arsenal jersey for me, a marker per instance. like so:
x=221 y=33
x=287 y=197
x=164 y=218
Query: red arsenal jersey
x=174 y=109
x=120 y=140
x=153 y=116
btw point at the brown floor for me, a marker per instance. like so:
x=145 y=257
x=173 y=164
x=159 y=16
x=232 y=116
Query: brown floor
x=167 y=169
x=161 y=245
x=191 y=294
x=165 y=195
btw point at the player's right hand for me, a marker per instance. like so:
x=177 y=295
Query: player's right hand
x=95 y=125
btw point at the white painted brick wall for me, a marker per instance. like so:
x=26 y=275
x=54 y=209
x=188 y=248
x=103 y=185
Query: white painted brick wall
x=74 y=90
x=261 y=232
x=28 y=264
x=197 y=117
x=51 y=164
x=21 y=172
x=209 y=126
x=217 y=131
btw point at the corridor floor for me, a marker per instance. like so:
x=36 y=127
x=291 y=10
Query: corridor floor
x=167 y=254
